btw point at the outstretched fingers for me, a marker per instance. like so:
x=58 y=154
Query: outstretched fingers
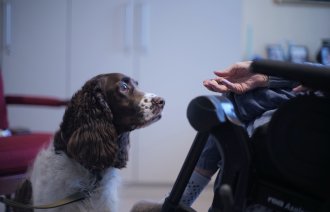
x=213 y=85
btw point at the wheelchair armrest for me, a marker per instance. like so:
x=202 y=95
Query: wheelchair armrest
x=212 y=115
x=206 y=112
x=216 y=115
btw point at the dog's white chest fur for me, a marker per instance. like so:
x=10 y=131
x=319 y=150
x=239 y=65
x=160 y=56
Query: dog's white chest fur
x=55 y=176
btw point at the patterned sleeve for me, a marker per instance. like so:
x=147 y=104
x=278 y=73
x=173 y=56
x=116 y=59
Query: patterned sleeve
x=278 y=82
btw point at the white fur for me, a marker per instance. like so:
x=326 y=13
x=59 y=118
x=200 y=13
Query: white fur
x=146 y=104
x=150 y=111
x=55 y=176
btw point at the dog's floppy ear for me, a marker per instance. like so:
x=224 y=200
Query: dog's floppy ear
x=102 y=102
x=94 y=145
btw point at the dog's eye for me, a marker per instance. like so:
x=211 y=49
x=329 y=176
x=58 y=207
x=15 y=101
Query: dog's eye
x=123 y=87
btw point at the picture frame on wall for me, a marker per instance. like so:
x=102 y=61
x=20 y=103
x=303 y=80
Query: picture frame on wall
x=275 y=52
x=325 y=55
x=320 y=2
x=298 y=53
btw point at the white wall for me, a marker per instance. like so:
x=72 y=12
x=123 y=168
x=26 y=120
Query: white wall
x=266 y=22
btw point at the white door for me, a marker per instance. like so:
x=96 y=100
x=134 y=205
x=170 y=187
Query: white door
x=183 y=42
x=101 y=41
x=34 y=62
x=169 y=47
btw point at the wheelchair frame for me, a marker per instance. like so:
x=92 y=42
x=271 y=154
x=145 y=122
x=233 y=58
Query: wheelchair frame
x=215 y=115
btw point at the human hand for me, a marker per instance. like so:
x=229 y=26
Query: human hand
x=301 y=88
x=236 y=78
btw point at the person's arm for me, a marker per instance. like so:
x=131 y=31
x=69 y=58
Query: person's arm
x=251 y=93
x=279 y=82
x=238 y=79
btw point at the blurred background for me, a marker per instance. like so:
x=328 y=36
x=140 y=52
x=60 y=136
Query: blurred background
x=51 y=47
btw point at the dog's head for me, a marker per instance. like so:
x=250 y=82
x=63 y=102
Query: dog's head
x=96 y=125
x=131 y=107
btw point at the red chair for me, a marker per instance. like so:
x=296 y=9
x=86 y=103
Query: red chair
x=17 y=151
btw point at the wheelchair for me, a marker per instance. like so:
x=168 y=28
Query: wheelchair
x=284 y=166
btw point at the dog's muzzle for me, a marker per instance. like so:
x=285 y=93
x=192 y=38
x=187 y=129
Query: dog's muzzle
x=152 y=107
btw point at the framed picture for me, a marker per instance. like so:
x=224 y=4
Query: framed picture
x=275 y=52
x=325 y=55
x=298 y=53
x=319 y=2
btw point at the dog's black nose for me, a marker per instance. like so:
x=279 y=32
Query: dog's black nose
x=158 y=101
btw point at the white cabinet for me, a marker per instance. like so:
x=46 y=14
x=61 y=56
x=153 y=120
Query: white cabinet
x=188 y=40
x=97 y=40
x=100 y=43
x=36 y=59
x=170 y=47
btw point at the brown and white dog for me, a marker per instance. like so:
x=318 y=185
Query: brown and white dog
x=92 y=143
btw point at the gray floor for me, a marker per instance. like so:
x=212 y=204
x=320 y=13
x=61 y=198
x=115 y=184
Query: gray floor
x=131 y=194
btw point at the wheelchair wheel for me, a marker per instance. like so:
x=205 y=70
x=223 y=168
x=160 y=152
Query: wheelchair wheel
x=299 y=143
